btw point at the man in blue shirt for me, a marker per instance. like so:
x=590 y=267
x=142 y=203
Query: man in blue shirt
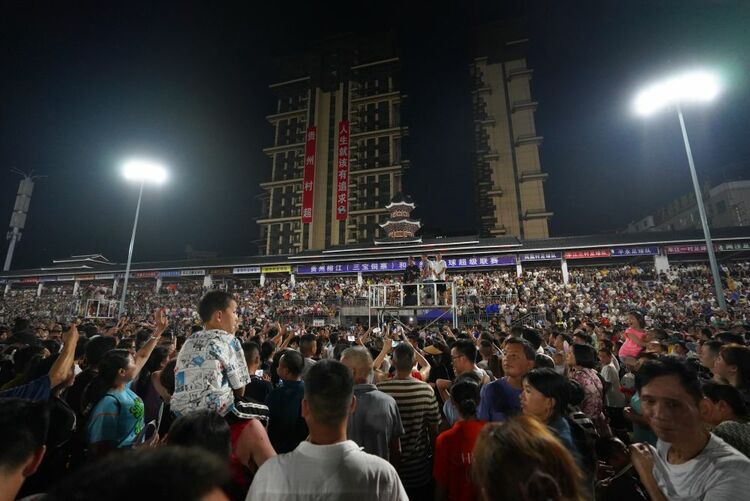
x=286 y=426
x=501 y=399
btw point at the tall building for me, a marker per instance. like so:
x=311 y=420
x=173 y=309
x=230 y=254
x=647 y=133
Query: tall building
x=727 y=205
x=508 y=174
x=342 y=94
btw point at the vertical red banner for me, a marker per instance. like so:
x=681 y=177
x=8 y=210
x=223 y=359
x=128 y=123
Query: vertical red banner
x=308 y=178
x=342 y=177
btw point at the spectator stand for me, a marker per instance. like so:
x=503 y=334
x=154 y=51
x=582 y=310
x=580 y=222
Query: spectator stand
x=419 y=300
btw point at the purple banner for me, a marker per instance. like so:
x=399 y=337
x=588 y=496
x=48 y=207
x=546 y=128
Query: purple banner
x=391 y=266
x=635 y=251
x=540 y=256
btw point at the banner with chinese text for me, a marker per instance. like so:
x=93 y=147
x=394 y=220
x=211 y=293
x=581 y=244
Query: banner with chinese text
x=308 y=178
x=342 y=176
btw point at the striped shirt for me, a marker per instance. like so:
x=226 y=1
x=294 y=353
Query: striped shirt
x=419 y=409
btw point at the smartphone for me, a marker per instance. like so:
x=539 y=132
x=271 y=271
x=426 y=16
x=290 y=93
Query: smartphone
x=146 y=433
x=351 y=339
x=259 y=373
x=376 y=330
x=395 y=343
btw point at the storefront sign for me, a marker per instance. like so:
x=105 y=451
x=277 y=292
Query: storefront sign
x=82 y=278
x=169 y=273
x=105 y=276
x=65 y=278
x=308 y=178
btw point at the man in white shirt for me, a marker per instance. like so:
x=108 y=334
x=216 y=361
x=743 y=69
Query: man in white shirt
x=439 y=268
x=688 y=461
x=327 y=465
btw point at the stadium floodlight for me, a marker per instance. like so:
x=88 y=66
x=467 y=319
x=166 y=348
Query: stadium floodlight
x=691 y=87
x=694 y=86
x=142 y=171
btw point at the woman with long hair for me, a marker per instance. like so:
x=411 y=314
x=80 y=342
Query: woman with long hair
x=146 y=385
x=733 y=367
x=521 y=460
x=545 y=396
x=116 y=419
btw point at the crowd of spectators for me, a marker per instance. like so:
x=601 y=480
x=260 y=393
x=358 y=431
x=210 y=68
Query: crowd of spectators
x=624 y=385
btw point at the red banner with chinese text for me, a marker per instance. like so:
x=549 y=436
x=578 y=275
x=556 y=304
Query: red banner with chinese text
x=342 y=176
x=587 y=254
x=308 y=178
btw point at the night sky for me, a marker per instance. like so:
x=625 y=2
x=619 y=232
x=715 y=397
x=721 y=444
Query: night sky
x=84 y=88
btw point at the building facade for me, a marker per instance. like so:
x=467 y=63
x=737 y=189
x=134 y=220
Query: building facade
x=727 y=205
x=347 y=82
x=508 y=174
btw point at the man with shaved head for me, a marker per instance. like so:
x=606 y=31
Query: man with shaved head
x=375 y=423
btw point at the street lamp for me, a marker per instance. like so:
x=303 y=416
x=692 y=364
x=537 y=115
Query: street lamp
x=691 y=87
x=143 y=172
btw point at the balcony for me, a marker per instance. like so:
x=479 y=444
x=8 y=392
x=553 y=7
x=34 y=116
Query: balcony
x=484 y=120
x=495 y=193
x=520 y=73
x=286 y=114
x=491 y=155
x=533 y=176
x=526 y=104
x=375 y=132
x=538 y=214
x=281 y=182
x=284 y=147
x=378 y=95
x=529 y=139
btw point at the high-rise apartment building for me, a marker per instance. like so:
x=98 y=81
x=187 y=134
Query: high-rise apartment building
x=510 y=181
x=344 y=92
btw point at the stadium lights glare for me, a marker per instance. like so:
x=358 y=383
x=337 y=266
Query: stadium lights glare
x=693 y=86
x=144 y=171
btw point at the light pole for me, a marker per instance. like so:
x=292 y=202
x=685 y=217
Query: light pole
x=696 y=86
x=142 y=172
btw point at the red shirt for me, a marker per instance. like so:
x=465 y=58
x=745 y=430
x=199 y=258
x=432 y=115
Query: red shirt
x=453 y=458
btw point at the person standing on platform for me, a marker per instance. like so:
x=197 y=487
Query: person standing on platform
x=411 y=275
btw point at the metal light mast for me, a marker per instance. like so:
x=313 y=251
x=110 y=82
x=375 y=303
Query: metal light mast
x=18 y=218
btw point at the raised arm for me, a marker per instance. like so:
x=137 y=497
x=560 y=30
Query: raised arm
x=160 y=325
x=61 y=368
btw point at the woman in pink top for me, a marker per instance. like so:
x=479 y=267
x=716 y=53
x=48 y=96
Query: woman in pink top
x=635 y=337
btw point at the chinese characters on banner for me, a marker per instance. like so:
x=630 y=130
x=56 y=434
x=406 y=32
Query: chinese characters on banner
x=587 y=254
x=342 y=177
x=308 y=178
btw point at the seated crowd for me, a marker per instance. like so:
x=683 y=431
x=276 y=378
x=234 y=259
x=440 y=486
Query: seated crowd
x=634 y=386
